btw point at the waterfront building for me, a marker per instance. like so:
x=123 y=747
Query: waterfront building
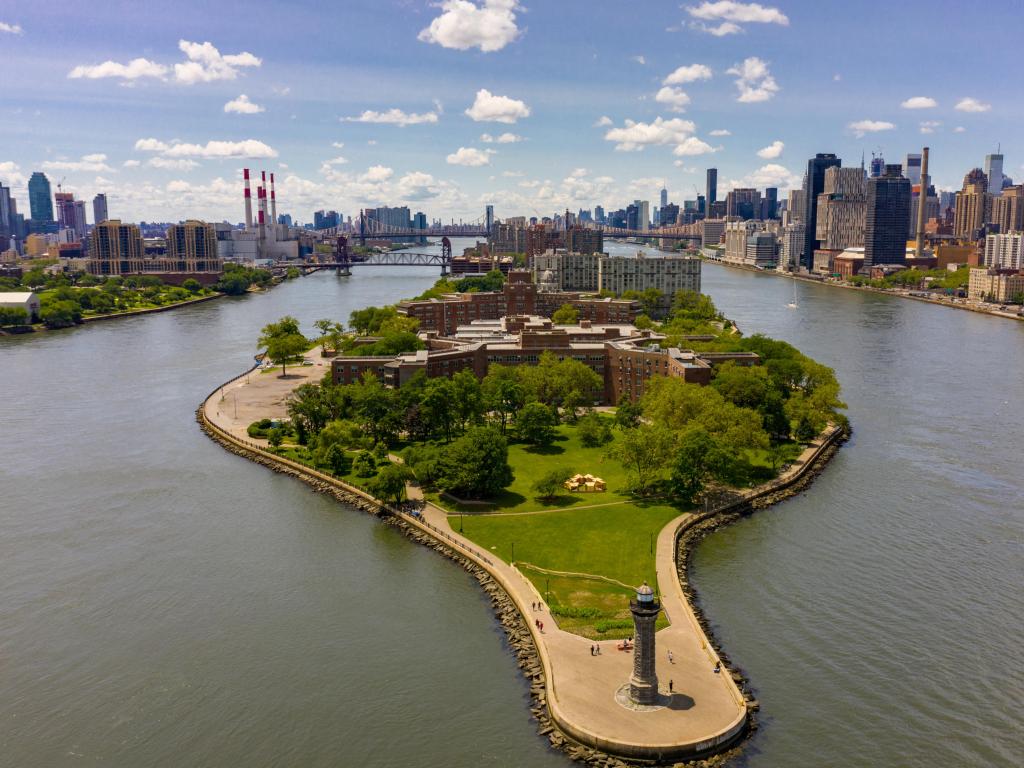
x=814 y=185
x=643 y=683
x=712 y=188
x=115 y=249
x=888 y=214
x=568 y=270
x=796 y=207
x=26 y=300
x=994 y=173
x=842 y=208
x=762 y=250
x=99 y=209
x=40 y=201
x=736 y=235
x=193 y=247
x=973 y=205
x=668 y=274
x=791 y=243
x=1004 y=251
x=711 y=232
x=995 y=285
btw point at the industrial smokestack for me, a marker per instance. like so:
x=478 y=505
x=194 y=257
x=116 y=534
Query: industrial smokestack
x=922 y=201
x=262 y=217
x=273 y=202
x=248 y=200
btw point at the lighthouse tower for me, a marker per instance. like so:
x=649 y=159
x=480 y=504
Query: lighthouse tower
x=643 y=683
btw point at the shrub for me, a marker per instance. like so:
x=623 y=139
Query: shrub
x=593 y=430
x=365 y=465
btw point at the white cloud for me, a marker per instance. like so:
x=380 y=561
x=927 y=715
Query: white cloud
x=513 y=174
x=206 y=64
x=919 y=102
x=336 y=161
x=721 y=30
x=504 y=138
x=770 y=175
x=743 y=13
x=10 y=173
x=929 y=126
x=393 y=117
x=469 y=156
x=959 y=129
x=281 y=90
x=178 y=185
x=602 y=121
x=338 y=144
x=720 y=132
x=463 y=25
x=638 y=59
x=416 y=186
x=862 y=127
x=377 y=173
x=692 y=146
x=496 y=109
x=131 y=163
x=675 y=98
x=212 y=149
x=171 y=163
x=634 y=136
x=371 y=142
x=133 y=70
x=754 y=80
x=94 y=163
x=837 y=77
x=681 y=165
x=14 y=29
x=772 y=151
x=969 y=104
x=690 y=73
x=243 y=106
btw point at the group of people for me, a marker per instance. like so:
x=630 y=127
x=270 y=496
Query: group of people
x=537 y=606
x=538 y=624
x=595 y=650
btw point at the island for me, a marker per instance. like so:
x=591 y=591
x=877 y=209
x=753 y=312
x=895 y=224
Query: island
x=569 y=464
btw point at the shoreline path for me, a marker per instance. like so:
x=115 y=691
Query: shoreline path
x=706 y=709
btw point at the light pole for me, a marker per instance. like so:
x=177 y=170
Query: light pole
x=460 y=522
x=513 y=551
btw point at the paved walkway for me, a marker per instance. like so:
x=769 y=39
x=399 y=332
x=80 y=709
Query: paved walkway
x=582 y=687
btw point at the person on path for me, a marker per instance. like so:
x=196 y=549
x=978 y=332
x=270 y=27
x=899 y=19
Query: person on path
x=718 y=667
x=533 y=606
x=671 y=658
x=670 y=686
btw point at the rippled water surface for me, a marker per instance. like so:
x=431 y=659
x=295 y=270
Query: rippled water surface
x=167 y=603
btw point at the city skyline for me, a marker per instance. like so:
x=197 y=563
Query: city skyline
x=469 y=105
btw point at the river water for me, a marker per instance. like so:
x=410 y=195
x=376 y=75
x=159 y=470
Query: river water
x=168 y=603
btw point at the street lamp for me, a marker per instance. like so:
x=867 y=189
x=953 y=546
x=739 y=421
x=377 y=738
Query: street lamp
x=460 y=522
x=513 y=551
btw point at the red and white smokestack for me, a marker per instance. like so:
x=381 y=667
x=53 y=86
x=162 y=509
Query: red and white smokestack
x=273 y=201
x=248 y=200
x=262 y=216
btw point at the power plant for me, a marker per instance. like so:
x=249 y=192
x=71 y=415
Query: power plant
x=265 y=239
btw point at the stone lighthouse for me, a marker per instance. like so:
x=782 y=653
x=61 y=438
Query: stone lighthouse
x=643 y=683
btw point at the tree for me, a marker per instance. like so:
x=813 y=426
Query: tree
x=503 y=393
x=424 y=461
x=627 y=413
x=192 y=285
x=364 y=465
x=335 y=459
x=368 y=320
x=330 y=334
x=476 y=465
x=699 y=458
x=389 y=484
x=469 y=397
x=438 y=407
x=566 y=314
x=536 y=423
x=13 y=316
x=61 y=314
x=550 y=483
x=593 y=430
x=805 y=429
x=275 y=437
x=377 y=409
x=283 y=341
x=644 y=451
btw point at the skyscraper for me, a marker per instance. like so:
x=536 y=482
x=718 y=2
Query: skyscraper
x=71 y=213
x=712 y=187
x=99 y=209
x=814 y=185
x=40 y=202
x=973 y=205
x=888 y=218
x=994 y=173
x=912 y=168
x=842 y=207
x=664 y=197
x=877 y=164
x=7 y=214
x=489 y=216
x=770 y=203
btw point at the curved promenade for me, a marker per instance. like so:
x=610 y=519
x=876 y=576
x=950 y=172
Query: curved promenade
x=707 y=711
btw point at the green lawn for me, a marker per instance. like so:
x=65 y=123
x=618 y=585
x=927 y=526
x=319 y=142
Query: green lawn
x=614 y=541
x=530 y=463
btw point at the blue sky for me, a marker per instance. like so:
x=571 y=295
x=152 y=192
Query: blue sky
x=584 y=102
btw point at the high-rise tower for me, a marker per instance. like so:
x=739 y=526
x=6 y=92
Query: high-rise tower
x=814 y=185
x=994 y=173
x=40 y=201
x=888 y=218
x=712 y=187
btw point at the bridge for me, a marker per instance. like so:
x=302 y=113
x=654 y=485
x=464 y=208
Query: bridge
x=343 y=261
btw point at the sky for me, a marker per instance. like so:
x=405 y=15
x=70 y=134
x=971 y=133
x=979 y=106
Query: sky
x=533 y=106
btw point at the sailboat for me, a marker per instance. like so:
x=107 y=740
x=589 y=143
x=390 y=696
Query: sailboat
x=793 y=304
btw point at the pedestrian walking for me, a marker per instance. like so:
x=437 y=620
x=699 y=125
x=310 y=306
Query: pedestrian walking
x=670 y=686
x=533 y=606
x=671 y=658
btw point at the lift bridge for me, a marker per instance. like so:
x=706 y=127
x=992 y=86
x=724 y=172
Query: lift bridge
x=343 y=261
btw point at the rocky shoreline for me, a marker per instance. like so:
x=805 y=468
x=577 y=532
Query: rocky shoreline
x=512 y=622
